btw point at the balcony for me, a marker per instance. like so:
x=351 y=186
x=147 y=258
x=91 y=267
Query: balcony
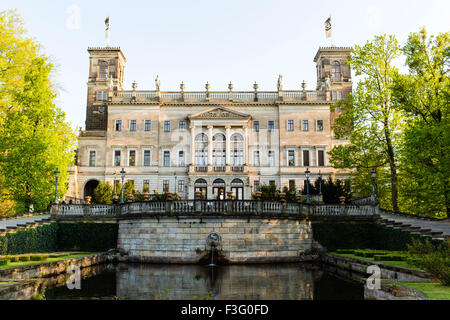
x=220 y=169
x=201 y=169
x=237 y=169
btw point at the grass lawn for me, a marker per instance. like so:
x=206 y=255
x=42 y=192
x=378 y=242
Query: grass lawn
x=2 y=283
x=402 y=264
x=62 y=257
x=433 y=290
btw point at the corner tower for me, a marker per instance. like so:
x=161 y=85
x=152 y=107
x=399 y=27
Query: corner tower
x=106 y=72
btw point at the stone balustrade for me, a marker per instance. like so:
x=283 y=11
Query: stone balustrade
x=212 y=207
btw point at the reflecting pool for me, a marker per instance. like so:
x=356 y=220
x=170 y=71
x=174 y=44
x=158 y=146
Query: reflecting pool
x=241 y=282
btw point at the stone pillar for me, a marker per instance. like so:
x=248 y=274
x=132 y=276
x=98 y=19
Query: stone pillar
x=210 y=146
x=192 y=127
x=246 y=145
x=228 y=145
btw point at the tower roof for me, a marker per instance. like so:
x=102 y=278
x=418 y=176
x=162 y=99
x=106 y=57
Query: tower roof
x=331 y=49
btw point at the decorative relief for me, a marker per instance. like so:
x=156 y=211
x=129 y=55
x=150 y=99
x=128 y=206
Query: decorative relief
x=220 y=114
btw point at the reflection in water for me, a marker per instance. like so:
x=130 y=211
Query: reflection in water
x=178 y=282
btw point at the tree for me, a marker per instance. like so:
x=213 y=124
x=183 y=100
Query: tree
x=423 y=94
x=35 y=139
x=103 y=193
x=369 y=119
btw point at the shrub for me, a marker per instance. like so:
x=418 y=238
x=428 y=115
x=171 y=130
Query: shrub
x=38 y=257
x=24 y=258
x=4 y=262
x=388 y=257
x=345 y=251
x=434 y=259
x=13 y=258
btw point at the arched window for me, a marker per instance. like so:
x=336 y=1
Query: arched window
x=237 y=150
x=336 y=71
x=201 y=150
x=103 y=70
x=201 y=183
x=219 y=150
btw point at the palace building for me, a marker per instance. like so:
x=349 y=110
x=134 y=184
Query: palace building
x=208 y=141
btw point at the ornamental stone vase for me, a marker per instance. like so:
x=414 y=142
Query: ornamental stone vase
x=88 y=199
x=230 y=195
x=130 y=197
x=258 y=195
x=146 y=196
x=342 y=199
x=198 y=195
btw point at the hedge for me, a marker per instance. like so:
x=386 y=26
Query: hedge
x=39 y=239
x=362 y=235
x=87 y=236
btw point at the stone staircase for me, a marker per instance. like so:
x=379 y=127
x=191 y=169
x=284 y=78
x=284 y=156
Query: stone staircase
x=13 y=225
x=414 y=228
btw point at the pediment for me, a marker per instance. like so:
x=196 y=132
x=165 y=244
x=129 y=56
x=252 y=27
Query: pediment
x=220 y=113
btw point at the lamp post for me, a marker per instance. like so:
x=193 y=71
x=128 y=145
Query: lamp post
x=175 y=175
x=56 y=187
x=307 y=172
x=320 y=183
x=374 y=195
x=121 y=192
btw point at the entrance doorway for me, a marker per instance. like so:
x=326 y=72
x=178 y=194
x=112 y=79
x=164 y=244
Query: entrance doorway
x=237 y=187
x=219 y=189
x=202 y=186
x=89 y=188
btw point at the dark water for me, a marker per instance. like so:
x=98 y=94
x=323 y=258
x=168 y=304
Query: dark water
x=179 y=282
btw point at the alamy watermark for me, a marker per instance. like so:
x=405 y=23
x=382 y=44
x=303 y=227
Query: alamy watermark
x=74 y=279
x=373 y=282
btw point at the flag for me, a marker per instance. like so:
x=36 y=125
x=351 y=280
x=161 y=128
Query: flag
x=328 y=27
x=107 y=29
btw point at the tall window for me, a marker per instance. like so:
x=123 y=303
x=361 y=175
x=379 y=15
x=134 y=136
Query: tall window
x=118 y=125
x=256 y=185
x=219 y=150
x=237 y=150
x=271 y=158
x=133 y=125
x=336 y=71
x=181 y=161
x=291 y=184
x=165 y=185
x=92 y=159
x=132 y=158
x=148 y=125
x=321 y=158
x=256 y=126
x=166 y=161
x=102 y=95
x=305 y=158
x=103 y=70
x=117 y=158
x=105 y=95
x=270 y=125
x=290 y=126
x=305 y=125
x=146 y=186
x=201 y=150
x=147 y=158
x=182 y=125
x=291 y=158
x=167 y=126
x=319 y=125
x=334 y=96
x=339 y=95
x=256 y=161
x=180 y=186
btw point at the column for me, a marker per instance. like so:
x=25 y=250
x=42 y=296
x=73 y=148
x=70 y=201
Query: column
x=210 y=146
x=246 y=145
x=228 y=144
x=192 y=127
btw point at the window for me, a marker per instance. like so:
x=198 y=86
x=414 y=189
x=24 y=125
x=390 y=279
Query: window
x=181 y=162
x=181 y=186
x=182 y=125
x=133 y=125
x=256 y=185
x=339 y=95
x=165 y=185
x=99 y=96
x=271 y=125
x=256 y=161
x=148 y=125
x=201 y=150
x=166 y=161
x=305 y=125
x=256 y=126
x=92 y=159
x=117 y=158
x=147 y=158
x=271 y=157
x=321 y=157
x=105 y=95
x=237 y=150
x=338 y=110
x=291 y=158
x=118 y=125
x=290 y=126
x=103 y=70
x=291 y=184
x=167 y=126
x=305 y=158
x=272 y=182
x=219 y=150
x=319 y=125
x=146 y=186
x=336 y=71
x=334 y=96
x=132 y=158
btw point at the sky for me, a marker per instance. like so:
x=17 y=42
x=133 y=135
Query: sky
x=196 y=41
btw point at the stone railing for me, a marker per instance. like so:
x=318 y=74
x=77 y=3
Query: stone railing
x=212 y=207
x=218 y=96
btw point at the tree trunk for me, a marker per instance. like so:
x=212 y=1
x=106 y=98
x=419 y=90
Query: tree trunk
x=390 y=152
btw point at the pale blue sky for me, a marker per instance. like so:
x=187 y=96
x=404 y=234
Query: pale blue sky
x=217 y=41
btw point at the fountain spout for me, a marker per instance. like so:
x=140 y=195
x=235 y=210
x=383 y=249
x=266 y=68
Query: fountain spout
x=213 y=241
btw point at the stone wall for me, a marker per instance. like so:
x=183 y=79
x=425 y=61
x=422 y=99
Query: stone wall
x=244 y=240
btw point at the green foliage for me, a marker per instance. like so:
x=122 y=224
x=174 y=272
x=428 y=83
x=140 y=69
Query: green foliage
x=103 y=193
x=332 y=190
x=435 y=259
x=35 y=139
x=25 y=258
x=87 y=236
x=291 y=194
x=38 y=257
x=39 y=239
x=4 y=262
x=269 y=192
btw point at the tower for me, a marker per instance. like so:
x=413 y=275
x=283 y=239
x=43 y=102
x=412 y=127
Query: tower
x=106 y=73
